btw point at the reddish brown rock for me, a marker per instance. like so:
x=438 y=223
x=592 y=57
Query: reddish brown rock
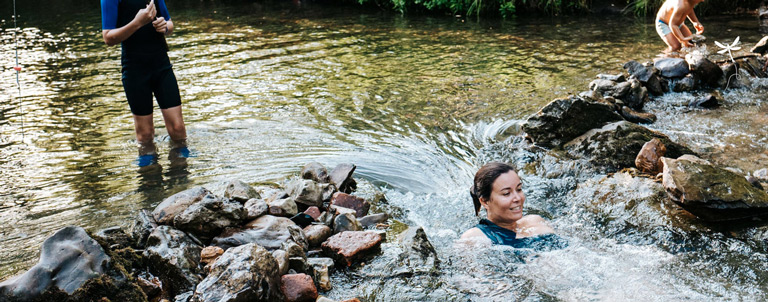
x=352 y=300
x=347 y=247
x=352 y=202
x=210 y=253
x=298 y=287
x=313 y=211
x=649 y=158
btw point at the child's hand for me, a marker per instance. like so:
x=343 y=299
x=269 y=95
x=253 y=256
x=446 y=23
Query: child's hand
x=147 y=14
x=699 y=28
x=160 y=25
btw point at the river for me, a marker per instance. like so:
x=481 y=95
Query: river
x=418 y=103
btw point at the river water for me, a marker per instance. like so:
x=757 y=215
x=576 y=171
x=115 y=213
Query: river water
x=418 y=103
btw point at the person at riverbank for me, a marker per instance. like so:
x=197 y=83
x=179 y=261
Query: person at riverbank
x=498 y=189
x=140 y=28
x=670 y=23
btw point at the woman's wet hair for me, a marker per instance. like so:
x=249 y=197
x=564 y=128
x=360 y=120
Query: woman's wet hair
x=483 y=183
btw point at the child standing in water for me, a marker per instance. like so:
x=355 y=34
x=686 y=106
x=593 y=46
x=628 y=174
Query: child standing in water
x=140 y=28
x=670 y=23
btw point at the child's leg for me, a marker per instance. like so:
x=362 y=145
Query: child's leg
x=666 y=35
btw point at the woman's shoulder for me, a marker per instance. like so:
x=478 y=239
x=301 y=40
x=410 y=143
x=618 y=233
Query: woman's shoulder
x=532 y=225
x=471 y=233
x=474 y=237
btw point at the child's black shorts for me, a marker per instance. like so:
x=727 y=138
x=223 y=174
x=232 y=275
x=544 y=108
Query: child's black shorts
x=144 y=75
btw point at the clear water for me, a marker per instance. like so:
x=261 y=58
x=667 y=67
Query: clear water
x=417 y=103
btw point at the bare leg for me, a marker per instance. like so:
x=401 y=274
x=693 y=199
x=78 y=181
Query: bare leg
x=174 y=123
x=145 y=134
x=672 y=42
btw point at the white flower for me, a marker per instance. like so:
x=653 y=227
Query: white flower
x=728 y=48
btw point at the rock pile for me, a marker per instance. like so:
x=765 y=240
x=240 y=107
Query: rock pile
x=197 y=246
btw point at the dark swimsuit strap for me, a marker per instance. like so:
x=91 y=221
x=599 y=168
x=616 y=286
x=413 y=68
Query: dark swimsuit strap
x=497 y=234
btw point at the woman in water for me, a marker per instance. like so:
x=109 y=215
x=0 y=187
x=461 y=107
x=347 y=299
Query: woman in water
x=499 y=190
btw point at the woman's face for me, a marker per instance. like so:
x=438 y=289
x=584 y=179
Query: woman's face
x=507 y=198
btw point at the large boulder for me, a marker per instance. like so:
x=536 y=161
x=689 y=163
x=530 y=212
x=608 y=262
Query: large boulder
x=348 y=247
x=711 y=193
x=565 y=119
x=209 y=216
x=705 y=70
x=616 y=145
x=173 y=256
x=672 y=67
x=267 y=231
x=167 y=210
x=68 y=259
x=244 y=273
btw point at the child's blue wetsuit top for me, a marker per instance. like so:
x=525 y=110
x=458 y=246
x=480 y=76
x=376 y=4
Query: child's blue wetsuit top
x=118 y=13
x=499 y=235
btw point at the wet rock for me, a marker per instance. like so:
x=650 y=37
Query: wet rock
x=255 y=208
x=591 y=96
x=324 y=299
x=209 y=216
x=309 y=192
x=373 y=219
x=322 y=272
x=761 y=174
x=636 y=95
x=761 y=47
x=209 y=254
x=152 y=286
x=347 y=247
x=672 y=67
x=173 y=256
x=327 y=218
x=755 y=182
x=240 y=191
x=185 y=297
x=711 y=193
x=114 y=237
x=734 y=77
x=684 y=85
x=302 y=219
x=637 y=117
x=352 y=300
x=418 y=253
x=167 y=210
x=316 y=234
x=708 y=72
x=565 y=119
x=298 y=288
x=646 y=76
x=68 y=259
x=358 y=204
x=285 y=207
x=618 y=78
x=244 y=273
x=267 y=231
x=313 y=212
x=616 y=145
x=602 y=86
x=346 y=222
x=315 y=171
x=282 y=261
x=298 y=265
x=706 y=101
x=649 y=158
x=341 y=177
x=142 y=226
x=338 y=210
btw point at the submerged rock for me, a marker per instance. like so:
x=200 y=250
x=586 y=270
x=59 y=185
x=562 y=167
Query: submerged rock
x=565 y=119
x=616 y=145
x=418 y=253
x=347 y=247
x=707 y=101
x=68 y=259
x=244 y=273
x=711 y=193
x=649 y=158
